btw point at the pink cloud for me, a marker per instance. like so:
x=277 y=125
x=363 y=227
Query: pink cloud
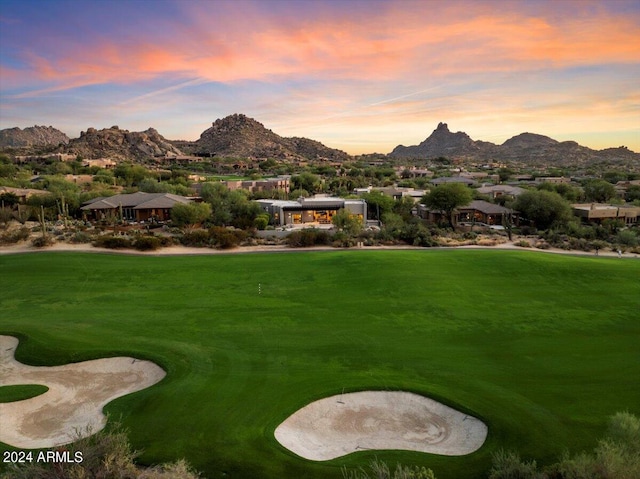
x=395 y=44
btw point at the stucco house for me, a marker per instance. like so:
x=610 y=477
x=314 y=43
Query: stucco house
x=598 y=212
x=315 y=210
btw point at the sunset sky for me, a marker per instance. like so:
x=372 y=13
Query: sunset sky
x=362 y=76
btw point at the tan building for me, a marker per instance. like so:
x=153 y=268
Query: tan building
x=598 y=212
x=279 y=183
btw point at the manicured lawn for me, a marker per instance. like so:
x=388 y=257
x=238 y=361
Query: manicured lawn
x=543 y=348
x=20 y=392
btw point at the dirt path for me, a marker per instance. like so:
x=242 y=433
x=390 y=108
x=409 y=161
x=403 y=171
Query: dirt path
x=184 y=250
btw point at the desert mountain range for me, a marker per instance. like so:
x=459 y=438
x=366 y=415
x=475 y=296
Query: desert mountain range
x=238 y=136
x=525 y=148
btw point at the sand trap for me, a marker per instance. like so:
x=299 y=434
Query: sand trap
x=372 y=420
x=72 y=407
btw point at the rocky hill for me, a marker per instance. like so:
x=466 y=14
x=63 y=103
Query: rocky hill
x=32 y=136
x=120 y=144
x=525 y=149
x=238 y=136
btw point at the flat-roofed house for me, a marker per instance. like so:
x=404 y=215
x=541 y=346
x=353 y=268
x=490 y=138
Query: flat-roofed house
x=598 y=212
x=315 y=210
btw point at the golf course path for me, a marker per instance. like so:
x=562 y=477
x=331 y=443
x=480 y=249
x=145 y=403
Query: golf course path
x=374 y=420
x=72 y=407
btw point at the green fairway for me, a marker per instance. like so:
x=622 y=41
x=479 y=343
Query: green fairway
x=20 y=392
x=543 y=348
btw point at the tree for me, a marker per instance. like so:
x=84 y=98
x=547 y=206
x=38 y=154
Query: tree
x=599 y=191
x=543 y=208
x=447 y=198
x=190 y=214
x=633 y=193
x=306 y=181
x=378 y=204
x=345 y=221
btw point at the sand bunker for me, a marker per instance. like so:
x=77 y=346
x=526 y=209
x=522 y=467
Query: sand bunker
x=339 y=425
x=72 y=407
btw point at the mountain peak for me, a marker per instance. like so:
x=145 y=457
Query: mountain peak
x=239 y=136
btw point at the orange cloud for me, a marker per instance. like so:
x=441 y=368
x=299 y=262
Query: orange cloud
x=397 y=43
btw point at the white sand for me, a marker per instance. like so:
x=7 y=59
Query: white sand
x=377 y=420
x=72 y=407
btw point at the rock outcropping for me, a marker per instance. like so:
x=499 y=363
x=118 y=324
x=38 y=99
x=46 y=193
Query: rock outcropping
x=238 y=136
x=525 y=148
x=32 y=136
x=121 y=144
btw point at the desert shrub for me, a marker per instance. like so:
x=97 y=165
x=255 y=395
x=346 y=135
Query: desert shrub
x=112 y=242
x=261 y=221
x=508 y=465
x=380 y=470
x=527 y=230
x=6 y=215
x=147 y=243
x=105 y=455
x=42 y=241
x=80 y=237
x=627 y=238
x=308 y=237
x=15 y=236
x=418 y=235
x=226 y=238
x=196 y=238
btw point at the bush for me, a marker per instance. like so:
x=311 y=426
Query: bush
x=147 y=243
x=380 y=470
x=308 y=237
x=42 y=241
x=196 y=238
x=15 y=236
x=627 y=238
x=508 y=465
x=226 y=238
x=523 y=244
x=80 y=237
x=106 y=455
x=112 y=242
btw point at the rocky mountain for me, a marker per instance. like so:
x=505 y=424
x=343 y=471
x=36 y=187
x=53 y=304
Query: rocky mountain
x=526 y=149
x=32 y=136
x=238 y=136
x=444 y=143
x=120 y=144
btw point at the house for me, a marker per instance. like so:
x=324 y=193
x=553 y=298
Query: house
x=316 y=210
x=138 y=206
x=495 y=191
x=279 y=183
x=452 y=179
x=395 y=192
x=105 y=163
x=556 y=180
x=478 y=211
x=23 y=194
x=598 y=212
